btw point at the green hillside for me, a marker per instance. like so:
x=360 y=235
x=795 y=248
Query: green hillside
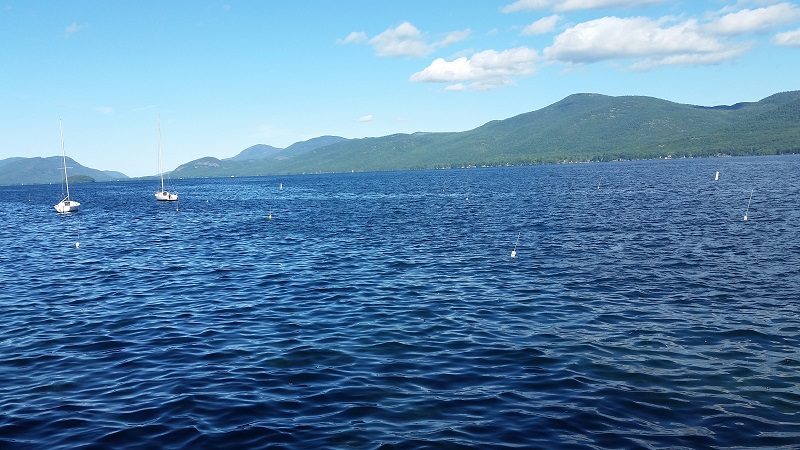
x=581 y=127
x=49 y=170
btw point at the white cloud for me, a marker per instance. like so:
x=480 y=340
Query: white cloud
x=478 y=86
x=72 y=29
x=689 y=59
x=456 y=87
x=755 y=20
x=442 y=71
x=454 y=37
x=367 y=118
x=574 y=5
x=487 y=85
x=788 y=39
x=542 y=26
x=650 y=42
x=486 y=69
x=356 y=37
x=405 y=40
x=526 y=5
x=107 y=110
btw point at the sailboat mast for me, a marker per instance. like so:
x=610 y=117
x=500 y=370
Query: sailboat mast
x=160 y=166
x=64 y=157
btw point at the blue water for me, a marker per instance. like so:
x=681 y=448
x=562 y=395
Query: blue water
x=383 y=310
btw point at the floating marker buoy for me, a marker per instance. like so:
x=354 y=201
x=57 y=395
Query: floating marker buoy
x=514 y=252
x=281 y=186
x=748 y=204
x=77 y=244
x=716 y=177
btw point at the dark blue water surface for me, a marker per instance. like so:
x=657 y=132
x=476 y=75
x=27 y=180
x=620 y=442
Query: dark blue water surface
x=383 y=310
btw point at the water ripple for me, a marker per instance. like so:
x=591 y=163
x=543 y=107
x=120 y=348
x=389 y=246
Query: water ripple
x=383 y=311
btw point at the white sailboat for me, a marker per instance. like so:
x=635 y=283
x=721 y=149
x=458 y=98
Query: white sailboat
x=163 y=195
x=67 y=205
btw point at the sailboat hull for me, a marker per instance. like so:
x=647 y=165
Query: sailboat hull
x=67 y=206
x=166 y=196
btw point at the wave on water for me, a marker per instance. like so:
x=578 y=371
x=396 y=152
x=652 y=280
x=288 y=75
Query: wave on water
x=383 y=310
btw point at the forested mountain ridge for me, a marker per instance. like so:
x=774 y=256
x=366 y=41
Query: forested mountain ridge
x=579 y=128
x=49 y=170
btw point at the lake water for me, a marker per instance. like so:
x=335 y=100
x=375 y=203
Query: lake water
x=384 y=311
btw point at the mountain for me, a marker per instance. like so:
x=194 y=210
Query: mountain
x=258 y=151
x=252 y=161
x=261 y=151
x=298 y=148
x=49 y=170
x=581 y=127
x=115 y=175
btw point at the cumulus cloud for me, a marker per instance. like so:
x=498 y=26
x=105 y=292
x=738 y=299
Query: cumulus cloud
x=650 y=42
x=788 y=39
x=542 y=26
x=405 y=40
x=367 y=118
x=486 y=70
x=755 y=20
x=573 y=5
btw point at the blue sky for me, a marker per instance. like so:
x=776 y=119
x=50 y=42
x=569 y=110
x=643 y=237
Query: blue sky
x=221 y=76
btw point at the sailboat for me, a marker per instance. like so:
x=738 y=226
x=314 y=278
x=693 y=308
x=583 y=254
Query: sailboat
x=67 y=205
x=163 y=195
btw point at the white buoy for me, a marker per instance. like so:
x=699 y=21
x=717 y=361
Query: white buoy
x=514 y=252
x=281 y=186
x=748 y=205
x=77 y=244
x=716 y=176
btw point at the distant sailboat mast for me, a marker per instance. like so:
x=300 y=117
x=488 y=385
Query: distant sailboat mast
x=748 y=203
x=160 y=164
x=66 y=205
x=64 y=156
x=163 y=195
